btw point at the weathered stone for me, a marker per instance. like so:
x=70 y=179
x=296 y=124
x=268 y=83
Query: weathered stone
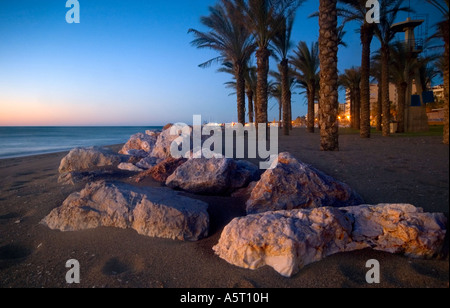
x=154 y=212
x=284 y=240
x=397 y=228
x=289 y=240
x=89 y=159
x=139 y=145
x=162 y=148
x=292 y=185
x=148 y=162
x=161 y=171
x=129 y=167
x=211 y=176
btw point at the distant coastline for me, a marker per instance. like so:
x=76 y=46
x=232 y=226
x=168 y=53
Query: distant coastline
x=23 y=141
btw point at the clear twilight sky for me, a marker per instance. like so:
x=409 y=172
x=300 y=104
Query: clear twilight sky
x=127 y=63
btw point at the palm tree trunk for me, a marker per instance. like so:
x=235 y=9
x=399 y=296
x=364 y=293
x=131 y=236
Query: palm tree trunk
x=250 y=106
x=290 y=109
x=285 y=88
x=357 y=108
x=401 y=90
x=311 y=116
x=352 y=109
x=240 y=91
x=380 y=107
x=328 y=50
x=280 y=114
x=385 y=93
x=445 y=32
x=366 y=40
x=262 y=56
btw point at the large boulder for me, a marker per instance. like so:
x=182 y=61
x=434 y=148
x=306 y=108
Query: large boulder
x=89 y=159
x=140 y=145
x=162 y=171
x=397 y=228
x=289 y=240
x=153 y=212
x=162 y=148
x=291 y=184
x=212 y=176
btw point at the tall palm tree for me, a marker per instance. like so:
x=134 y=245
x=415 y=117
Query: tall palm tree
x=443 y=7
x=375 y=72
x=305 y=61
x=351 y=80
x=402 y=66
x=328 y=50
x=282 y=44
x=385 y=34
x=276 y=91
x=232 y=40
x=355 y=10
x=262 y=19
x=250 y=86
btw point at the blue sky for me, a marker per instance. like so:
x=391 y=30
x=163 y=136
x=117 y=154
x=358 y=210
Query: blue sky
x=126 y=63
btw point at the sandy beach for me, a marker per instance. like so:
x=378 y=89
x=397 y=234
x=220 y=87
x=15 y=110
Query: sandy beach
x=411 y=170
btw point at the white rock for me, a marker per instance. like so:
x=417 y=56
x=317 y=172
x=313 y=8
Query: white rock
x=89 y=159
x=294 y=185
x=129 y=167
x=289 y=240
x=139 y=145
x=154 y=212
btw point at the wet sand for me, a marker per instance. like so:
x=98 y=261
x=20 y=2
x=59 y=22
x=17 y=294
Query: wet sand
x=383 y=170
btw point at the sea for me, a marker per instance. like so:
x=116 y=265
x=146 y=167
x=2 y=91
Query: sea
x=28 y=141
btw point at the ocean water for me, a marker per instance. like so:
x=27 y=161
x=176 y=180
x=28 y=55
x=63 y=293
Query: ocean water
x=27 y=141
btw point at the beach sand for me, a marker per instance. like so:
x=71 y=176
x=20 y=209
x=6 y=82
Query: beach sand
x=383 y=170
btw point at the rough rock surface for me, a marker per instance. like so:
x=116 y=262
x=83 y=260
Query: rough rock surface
x=89 y=159
x=292 y=185
x=154 y=212
x=162 y=171
x=139 y=145
x=163 y=143
x=129 y=167
x=289 y=240
x=212 y=176
x=148 y=162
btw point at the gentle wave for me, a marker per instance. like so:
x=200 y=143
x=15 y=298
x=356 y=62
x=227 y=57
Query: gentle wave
x=27 y=141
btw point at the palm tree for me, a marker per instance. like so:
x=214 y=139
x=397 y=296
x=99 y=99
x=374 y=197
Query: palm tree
x=385 y=34
x=305 y=61
x=232 y=40
x=443 y=7
x=250 y=86
x=328 y=49
x=375 y=72
x=276 y=91
x=282 y=44
x=262 y=19
x=351 y=80
x=401 y=69
x=355 y=10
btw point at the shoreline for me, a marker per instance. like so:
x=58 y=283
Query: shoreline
x=401 y=170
